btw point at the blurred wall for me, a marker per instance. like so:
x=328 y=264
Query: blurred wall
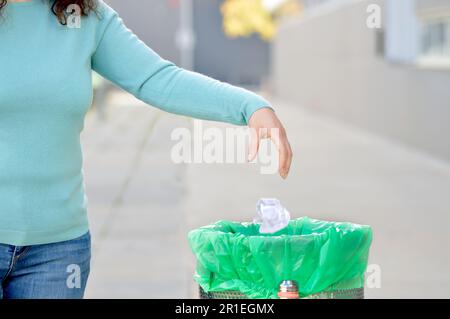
x=428 y=4
x=155 y=22
x=329 y=63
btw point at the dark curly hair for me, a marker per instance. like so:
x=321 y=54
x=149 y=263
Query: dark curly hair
x=59 y=7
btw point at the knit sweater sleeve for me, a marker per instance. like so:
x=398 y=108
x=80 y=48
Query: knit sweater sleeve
x=121 y=57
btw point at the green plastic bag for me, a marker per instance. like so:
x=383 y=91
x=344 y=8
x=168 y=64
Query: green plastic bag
x=320 y=256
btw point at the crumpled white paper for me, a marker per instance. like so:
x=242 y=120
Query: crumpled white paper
x=271 y=216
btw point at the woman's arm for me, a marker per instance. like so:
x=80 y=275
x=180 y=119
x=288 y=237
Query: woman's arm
x=126 y=61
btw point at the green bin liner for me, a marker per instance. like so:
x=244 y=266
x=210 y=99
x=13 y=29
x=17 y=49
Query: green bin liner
x=319 y=255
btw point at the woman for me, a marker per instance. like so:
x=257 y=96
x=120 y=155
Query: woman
x=45 y=92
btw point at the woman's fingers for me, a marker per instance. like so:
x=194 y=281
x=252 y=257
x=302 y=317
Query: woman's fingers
x=279 y=138
x=254 y=144
x=285 y=158
x=265 y=124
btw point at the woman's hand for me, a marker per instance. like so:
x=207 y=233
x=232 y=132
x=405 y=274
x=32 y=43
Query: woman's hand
x=265 y=124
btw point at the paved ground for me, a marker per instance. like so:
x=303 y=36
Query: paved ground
x=142 y=205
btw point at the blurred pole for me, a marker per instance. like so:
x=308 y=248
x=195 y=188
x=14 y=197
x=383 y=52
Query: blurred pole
x=185 y=39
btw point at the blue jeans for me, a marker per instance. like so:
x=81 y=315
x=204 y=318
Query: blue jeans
x=50 y=271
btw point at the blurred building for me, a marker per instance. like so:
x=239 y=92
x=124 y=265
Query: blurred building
x=244 y=61
x=155 y=23
x=393 y=80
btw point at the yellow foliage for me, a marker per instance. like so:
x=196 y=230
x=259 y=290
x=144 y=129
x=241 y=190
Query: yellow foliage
x=244 y=17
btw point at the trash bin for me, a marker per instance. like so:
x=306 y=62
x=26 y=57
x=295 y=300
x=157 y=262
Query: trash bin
x=327 y=259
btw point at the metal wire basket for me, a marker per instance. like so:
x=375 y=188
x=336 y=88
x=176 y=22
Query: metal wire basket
x=357 y=293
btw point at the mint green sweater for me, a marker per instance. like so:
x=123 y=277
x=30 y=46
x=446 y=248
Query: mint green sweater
x=45 y=92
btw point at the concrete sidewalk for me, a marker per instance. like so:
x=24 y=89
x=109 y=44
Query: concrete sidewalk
x=142 y=205
x=136 y=200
